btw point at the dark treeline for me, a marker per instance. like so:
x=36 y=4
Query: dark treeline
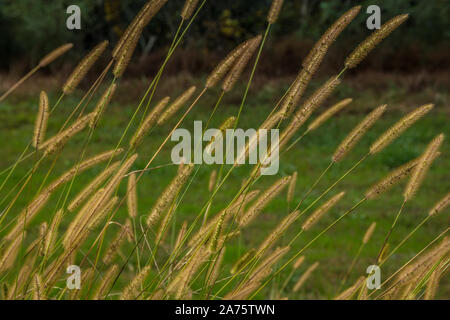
x=30 y=29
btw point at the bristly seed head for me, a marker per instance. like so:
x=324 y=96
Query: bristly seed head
x=83 y=67
x=176 y=105
x=274 y=11
x=398 y=128
x=222 y=68
x=40 y=127
x=441 y=205
x=373 y=40
x=356 y=134
x=241 y=63
x=329 y=113
x=316 y=215
x=422 y=166
x=188 y=9
x=369 y=232
x=55 y=54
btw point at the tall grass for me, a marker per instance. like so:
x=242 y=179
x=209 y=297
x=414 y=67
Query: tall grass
x=188 y=263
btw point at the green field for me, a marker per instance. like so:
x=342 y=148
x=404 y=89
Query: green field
x=310 y=157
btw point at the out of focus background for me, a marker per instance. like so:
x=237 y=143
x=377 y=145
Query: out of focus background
x=408 y=69
x=30 y=29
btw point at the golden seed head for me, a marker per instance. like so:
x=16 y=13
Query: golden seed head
x=148 y=11
x=227 y=124
x=214 y=270
x=83 y=67
x=267 y=263
x=212 y=180
x=222 y=68
x=373 y=40
x=369 y=232
x=40 y=126
x=188 y=9
x=50 y=235
x=242 y=261
x=356 y=134
x=115 y=245
x=132 y=196
x=55 y=143
x=123 y=57
x=329 y=113
x=315 y=100
x=299 y=262
x=274 y=11
x=10 y=253
x=420 y=170
x=315 y=56
x=305 y=276
x=263 y=200
x=169 y=194
x=148 y=122
x=441 y=205
x=55 y=54
x=291 y=188
x=106 y=282
x=347 y=294
x=391 y=179
x=295 y=93
x=102 y=104
x=397 y=129
x=316 y=215
x=176 y=105
x=279 y=230
x=236 y=71
x=83 y=166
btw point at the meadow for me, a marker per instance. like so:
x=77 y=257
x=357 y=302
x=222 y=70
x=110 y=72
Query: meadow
x=141 y=227
x=308 y=158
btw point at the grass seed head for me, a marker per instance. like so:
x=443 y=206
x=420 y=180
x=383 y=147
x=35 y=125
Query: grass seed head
x=40 y=126
x=373 y=40
x=397 y=129
x=55 y=54
x=274 y=11
x=188 y=9
x=236 y=71
x=420 y=170
x=357 y=133
x=83 y=67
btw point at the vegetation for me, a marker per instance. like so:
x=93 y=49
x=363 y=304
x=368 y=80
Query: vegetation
x=147 y=229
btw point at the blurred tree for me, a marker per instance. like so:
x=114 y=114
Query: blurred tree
x=31 y=28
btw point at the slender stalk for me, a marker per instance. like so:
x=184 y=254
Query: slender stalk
x=406 y=238
x=156 y=79
x=158 y=76
x=308 y=245
x=386 y=239
x=11 y=204
x=295 y=141
x=137 y=180
x=237 y=118
x=352 y=265
x=18 y=83
x=314 y=184
x=408 y=262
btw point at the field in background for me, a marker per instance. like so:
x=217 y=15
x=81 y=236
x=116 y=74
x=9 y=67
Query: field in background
x=335 y=250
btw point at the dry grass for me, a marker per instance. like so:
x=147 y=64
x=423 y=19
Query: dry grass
x=191 y=264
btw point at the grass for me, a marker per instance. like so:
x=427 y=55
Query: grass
x=335 y=249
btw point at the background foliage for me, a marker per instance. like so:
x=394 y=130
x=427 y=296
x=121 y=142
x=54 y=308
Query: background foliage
x=32 y=28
